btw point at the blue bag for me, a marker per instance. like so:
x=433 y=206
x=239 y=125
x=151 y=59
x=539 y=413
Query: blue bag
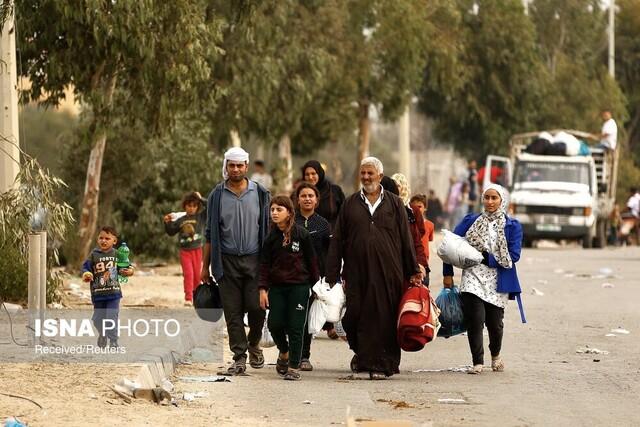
x=451 y=316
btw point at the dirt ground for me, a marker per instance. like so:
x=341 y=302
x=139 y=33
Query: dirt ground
x=546 y=382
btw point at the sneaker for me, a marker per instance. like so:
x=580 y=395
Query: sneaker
x=256 y=358
x=188 y=303
x=238 y=367
x=102 y=342
x=305 y=365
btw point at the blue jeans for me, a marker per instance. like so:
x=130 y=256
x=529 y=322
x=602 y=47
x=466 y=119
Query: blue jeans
x=106 y=310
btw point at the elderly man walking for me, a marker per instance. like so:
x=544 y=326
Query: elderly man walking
x=372 y=237
x=237 y=223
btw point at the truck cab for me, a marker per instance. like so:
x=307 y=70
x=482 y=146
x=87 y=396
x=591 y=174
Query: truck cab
x=556 y=197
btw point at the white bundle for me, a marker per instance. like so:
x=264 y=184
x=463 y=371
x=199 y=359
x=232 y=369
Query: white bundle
x=572 y=143
x=455 y=250
x=317 y=316
x=333 y=298
x=266 y=340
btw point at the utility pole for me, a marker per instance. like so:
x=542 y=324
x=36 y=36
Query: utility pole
x=9 y=137
x=612 y=38
x=404 y=143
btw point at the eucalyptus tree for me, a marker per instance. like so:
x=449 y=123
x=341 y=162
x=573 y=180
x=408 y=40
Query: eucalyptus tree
x=156 y=53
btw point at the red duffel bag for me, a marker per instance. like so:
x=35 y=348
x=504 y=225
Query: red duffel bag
x=418 y=321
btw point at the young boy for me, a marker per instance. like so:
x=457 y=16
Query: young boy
x=101 y=270
x=419 y=201
x=191 y=238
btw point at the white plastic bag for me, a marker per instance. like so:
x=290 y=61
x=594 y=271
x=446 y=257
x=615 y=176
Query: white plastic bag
x=333 y=298
x=266 y=340
x=335 y=303
x=317 y=316
x=455 y=250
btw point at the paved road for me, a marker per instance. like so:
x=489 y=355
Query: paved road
x=546 y=381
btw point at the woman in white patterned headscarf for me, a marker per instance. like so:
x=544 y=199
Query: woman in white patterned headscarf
x=486 y=288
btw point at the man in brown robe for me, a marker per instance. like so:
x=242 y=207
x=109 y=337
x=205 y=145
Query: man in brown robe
x=372 y=237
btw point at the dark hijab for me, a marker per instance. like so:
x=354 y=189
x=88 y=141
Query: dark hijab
x=322 y=182
x=331 y=195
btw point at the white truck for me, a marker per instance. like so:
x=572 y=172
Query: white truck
x=558 y=197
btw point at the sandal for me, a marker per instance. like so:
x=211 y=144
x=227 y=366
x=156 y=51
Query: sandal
x=305 y=365
x=475 y=370
x=282 y=366
x=354 y=363
x=377 y=375
x=292 y=375
x=497 y=365
x=256 y=358
x=237 y=368
x=331 y=333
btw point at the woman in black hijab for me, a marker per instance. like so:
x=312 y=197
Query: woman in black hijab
x=331 y=195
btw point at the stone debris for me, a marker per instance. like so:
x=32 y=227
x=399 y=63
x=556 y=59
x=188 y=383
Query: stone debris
x=205 y=379
x=589 y=350
x=537 y=292
x=621 y=331
x=190 y=397
x=452 y=401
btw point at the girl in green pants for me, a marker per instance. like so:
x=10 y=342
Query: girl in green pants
x=288 y=267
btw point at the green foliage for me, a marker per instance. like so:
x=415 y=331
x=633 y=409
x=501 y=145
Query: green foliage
x=146 y=178
x=388 y=44
x=158 y=52
x=44 y=132
x=498 y=88
x=628 y=65
x=13 y=274
x=572 y=41
x=32 y=205
x=517 y=73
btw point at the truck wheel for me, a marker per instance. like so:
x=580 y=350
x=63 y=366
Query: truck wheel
x=601 y=234
x=587 y=240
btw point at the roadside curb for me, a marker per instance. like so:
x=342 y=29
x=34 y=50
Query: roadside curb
x=161 y=362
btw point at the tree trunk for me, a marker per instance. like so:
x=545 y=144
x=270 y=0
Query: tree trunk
x=235 y=138
x=89 y=211
x=363 y=139
x=634 y=130
x=336 y=163
x=285 y=183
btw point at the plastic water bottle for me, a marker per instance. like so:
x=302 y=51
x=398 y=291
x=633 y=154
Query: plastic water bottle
x=122 y=257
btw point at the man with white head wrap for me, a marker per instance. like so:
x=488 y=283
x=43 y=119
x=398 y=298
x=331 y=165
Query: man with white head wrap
x=237 y=223
x=372 y=237
x=486 y=287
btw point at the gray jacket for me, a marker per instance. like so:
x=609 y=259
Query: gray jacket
x=212 y=230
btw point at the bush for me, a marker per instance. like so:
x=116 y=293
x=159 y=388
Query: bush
x=31 y=206
x=13 y=274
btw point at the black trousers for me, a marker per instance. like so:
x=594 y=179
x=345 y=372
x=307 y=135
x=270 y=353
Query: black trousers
x=477 y=314
x=239 y=293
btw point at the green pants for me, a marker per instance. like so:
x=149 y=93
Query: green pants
x=288 y=305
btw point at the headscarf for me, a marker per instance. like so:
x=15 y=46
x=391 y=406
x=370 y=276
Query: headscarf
x=403 y=187
x=478 y=234
x=235 y=154
x=319 y=170
x=389 y=185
